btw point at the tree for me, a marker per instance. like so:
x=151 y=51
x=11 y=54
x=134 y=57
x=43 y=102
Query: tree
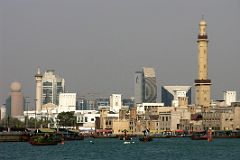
x=66 y=119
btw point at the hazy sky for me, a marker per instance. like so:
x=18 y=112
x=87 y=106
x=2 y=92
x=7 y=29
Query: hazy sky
x=97 y=45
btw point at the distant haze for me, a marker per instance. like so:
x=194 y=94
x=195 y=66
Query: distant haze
x=97 y=45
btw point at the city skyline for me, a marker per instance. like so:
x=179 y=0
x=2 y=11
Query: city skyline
x=97 y=47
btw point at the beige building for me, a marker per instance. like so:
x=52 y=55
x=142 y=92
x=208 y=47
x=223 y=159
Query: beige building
x=16 y=100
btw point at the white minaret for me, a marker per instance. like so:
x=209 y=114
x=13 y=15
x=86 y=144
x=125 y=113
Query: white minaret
x=203 y=84
x=38 y=99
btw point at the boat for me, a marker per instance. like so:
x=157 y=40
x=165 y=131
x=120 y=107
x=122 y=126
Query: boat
x=146 y=137
x=199 y=135
x=226 y=134
x=125 y=136
x=45 y=136
x=70 y=135
x=41 y=140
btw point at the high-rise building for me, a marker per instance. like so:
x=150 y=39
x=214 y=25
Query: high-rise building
x=52 y=85
x=145 y=86
x=229 y=97
x=202 y=83
x=171 y=94
x=15 y=102
x=138 y=87
x=150 y=86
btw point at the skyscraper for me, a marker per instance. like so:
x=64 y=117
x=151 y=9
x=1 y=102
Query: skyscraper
x=15 y=102
x=203 y=84
x=53 y=85
x=145 y=86
x=138 y=87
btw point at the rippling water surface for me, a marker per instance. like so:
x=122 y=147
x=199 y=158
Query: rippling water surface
x=115 y=149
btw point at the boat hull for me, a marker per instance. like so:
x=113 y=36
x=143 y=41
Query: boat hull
x=145 y=139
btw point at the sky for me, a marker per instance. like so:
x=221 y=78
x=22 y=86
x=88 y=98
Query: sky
x=97 y=45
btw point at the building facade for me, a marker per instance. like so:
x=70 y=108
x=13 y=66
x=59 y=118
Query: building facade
x=145 y=86
x=52 y=86
x=67 y=101
x=15 y=102
x=138 y=87
x=229 y=97
x=115 y=102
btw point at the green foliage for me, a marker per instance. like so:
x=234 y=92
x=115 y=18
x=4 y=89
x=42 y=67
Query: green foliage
x=66 y=119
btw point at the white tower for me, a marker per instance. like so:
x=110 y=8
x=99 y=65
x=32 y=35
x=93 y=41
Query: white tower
x=38 y=99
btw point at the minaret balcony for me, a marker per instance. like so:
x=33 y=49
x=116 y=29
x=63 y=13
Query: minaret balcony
x=202 y=81
x=202 y=37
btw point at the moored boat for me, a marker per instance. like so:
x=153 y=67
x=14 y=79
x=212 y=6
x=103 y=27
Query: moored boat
x=199 y=135
x=146 y=137
x=43 y=140
x=45 y=136
x=70 y=135
x=125 y=136
x=226 y=134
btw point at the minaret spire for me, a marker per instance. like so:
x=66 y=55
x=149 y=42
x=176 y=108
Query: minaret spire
x=203 y=90
x=38 y=98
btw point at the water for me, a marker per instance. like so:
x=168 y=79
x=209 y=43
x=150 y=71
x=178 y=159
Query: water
x=115 y=149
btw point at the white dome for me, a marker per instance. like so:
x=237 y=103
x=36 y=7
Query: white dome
x=16 y=86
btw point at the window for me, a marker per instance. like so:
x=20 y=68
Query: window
x=86 y=119
x=92 y=119
x=166 y=118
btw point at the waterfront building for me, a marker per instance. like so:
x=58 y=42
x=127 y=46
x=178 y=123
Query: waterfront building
x=170 y=94
x=223 y=118
x=202 y=83
x=15 y=102
x=104 y=122
x=86 y=119
x=145 y=86
x=52 y=86
x=229 y=97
